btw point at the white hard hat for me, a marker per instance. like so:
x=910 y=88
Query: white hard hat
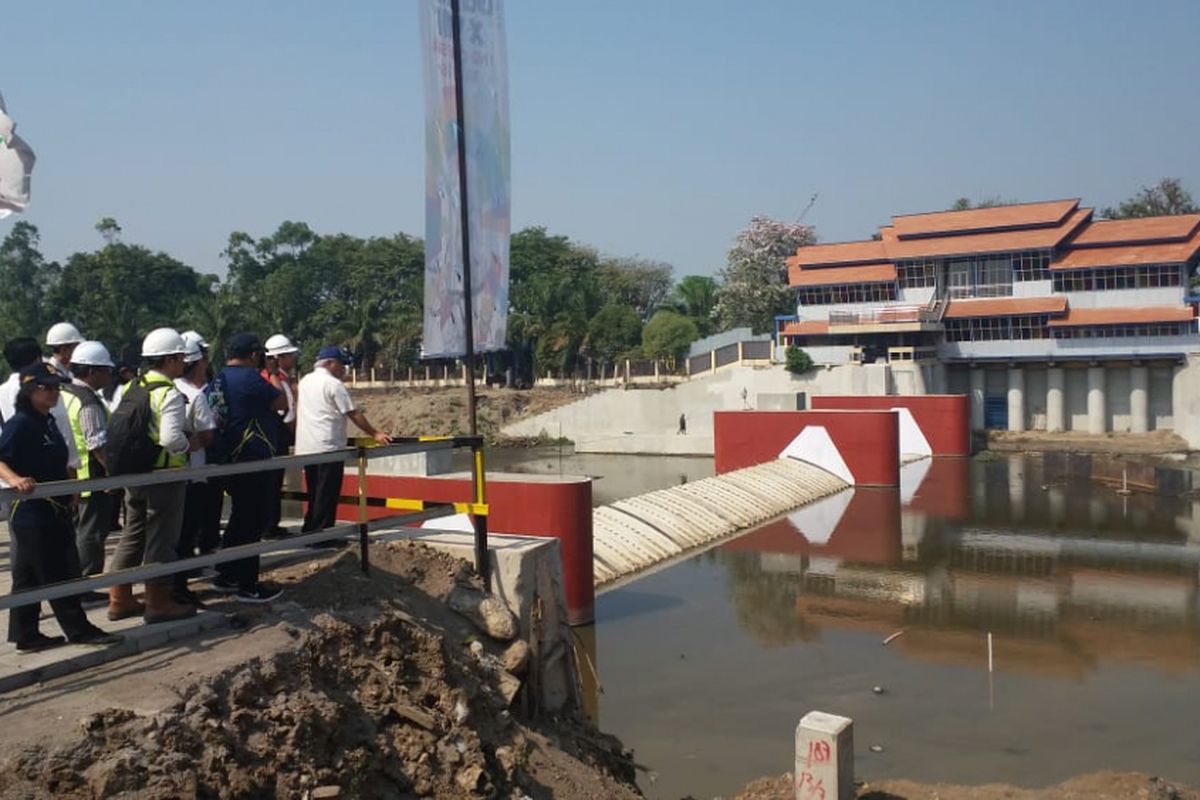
x=62 y=333
x=279 y=345
x=91 y=354
x=195 y=347
x=162 y=342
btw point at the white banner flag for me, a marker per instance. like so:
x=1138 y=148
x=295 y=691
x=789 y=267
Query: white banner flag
x=485 y=108
x=16 y=165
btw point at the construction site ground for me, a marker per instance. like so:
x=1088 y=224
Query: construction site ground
x=443 y=411
x=349 y=686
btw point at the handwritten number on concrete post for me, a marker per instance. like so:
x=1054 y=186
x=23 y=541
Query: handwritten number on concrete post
x=814 y=790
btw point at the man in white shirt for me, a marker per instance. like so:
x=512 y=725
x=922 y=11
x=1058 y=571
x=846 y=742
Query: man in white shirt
x=202 y=503
x=323 y=405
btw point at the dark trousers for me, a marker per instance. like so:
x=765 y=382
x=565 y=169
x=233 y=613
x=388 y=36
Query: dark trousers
x=44 y=553
x=276 y=511
x=324 y=485
x=201 y=523
x=249 y=510
x=93 y=520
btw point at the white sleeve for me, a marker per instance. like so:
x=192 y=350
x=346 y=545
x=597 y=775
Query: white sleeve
x=341 y=398
x=170 y=423
x=59 y=412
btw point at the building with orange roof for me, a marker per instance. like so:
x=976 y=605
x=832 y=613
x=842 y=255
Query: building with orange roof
x=1050 y=319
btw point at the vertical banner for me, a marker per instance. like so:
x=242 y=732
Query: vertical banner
x=485 y=112
x=16 y=165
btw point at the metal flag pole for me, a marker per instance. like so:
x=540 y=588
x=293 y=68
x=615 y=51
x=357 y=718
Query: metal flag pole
x=464 y=219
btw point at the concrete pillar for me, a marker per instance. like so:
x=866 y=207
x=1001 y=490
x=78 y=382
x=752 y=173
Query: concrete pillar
x=1058 y=504
x=824 y=757
x=741 y=353
x=1139 y=399
x=978 y=381
x=1016 y=399
x=1016 y=488
x=1056 y=392
x=1097 y=403
x=940 y=382
x=918 y=387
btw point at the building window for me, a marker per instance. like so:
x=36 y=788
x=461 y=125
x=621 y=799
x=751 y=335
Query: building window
x=917 y=274
x=990 y=329
x=1125 y=331
x=995 y=277
x=1031 y=265
x=1151 y=276
x=850 y=293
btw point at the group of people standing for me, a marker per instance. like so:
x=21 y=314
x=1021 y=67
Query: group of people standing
x=61 y=418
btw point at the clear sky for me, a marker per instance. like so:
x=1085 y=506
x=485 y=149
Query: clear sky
x=643 y=127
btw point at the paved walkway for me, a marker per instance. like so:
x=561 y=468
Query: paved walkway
x=23 y=669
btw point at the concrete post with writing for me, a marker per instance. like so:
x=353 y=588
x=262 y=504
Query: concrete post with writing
x=824 y=757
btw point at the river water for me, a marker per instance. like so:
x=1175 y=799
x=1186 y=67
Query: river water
x=1090 y=596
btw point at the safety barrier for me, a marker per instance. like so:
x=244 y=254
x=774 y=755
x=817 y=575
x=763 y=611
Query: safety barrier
x=361 y=453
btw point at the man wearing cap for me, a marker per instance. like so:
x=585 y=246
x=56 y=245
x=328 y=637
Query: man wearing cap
x=62 y=338
x=323 y=406
x=247 y=407
x=32 y=451
x=91 y=368
x=281 y=361
x=154 y=514
x=202 y=506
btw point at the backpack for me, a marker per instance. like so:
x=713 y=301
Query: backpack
x=130 y=448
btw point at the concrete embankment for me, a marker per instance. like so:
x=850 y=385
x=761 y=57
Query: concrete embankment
x=632 y=535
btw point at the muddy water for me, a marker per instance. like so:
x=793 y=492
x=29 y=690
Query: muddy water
x=1091 y=598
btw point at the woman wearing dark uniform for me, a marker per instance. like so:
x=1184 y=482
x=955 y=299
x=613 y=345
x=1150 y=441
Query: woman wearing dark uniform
x=32 y=451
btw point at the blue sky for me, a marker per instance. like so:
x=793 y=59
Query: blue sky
x=650 y=128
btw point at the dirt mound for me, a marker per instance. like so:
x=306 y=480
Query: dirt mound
x=443 y=412
x=373 y=701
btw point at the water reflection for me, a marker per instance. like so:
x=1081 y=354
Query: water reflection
x=1092 y=597
x=1041 y=551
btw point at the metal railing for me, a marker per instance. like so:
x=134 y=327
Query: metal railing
x=359 y=455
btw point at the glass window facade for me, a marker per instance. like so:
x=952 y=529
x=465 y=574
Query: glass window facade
x=852 y=293
x=1125 y=331
x=1100 y=280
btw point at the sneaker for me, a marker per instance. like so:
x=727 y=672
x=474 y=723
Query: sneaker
x=225 y=585
x=259 y=593
x=39 y=642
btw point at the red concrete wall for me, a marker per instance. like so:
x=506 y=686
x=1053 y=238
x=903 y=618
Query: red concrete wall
x=869 y=532
x=945 y=419
x=558 y=509
x=869 y=441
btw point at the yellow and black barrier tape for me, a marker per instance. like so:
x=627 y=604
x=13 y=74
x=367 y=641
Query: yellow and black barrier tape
x=401 y=503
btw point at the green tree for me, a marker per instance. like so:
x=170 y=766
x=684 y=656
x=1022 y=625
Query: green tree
x=755 y=284
x=1165 y=198
x=642 y=285
x=798 y=361
x=614 y=330
x=990 y=201
x=25 y=279
x=109 y=230
x=696 y=298
x=667 y=335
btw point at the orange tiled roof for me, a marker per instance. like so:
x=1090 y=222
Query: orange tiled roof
x=1080 y=317
x=1005 y=307
x=1176 y=228
x=977 y=243
x=839 y=254
x=1150 y=251
x=865 y=273
x=808 y=327
x=982 y=220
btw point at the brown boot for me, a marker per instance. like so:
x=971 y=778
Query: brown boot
x=121 y=604
x=161 y=607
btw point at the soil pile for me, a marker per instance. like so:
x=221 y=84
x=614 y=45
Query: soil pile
x=373 y=701
x=443 y=412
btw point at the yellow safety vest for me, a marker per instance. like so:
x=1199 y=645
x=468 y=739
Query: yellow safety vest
x=75 y=405
x=158 y=399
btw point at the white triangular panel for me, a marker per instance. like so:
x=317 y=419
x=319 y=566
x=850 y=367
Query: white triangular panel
x=814 y=446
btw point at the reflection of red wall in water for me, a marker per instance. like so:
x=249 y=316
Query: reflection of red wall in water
x=945 y=490
x=868 y=532
x=868 y=441
x=558 y=509
x=943 y=418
